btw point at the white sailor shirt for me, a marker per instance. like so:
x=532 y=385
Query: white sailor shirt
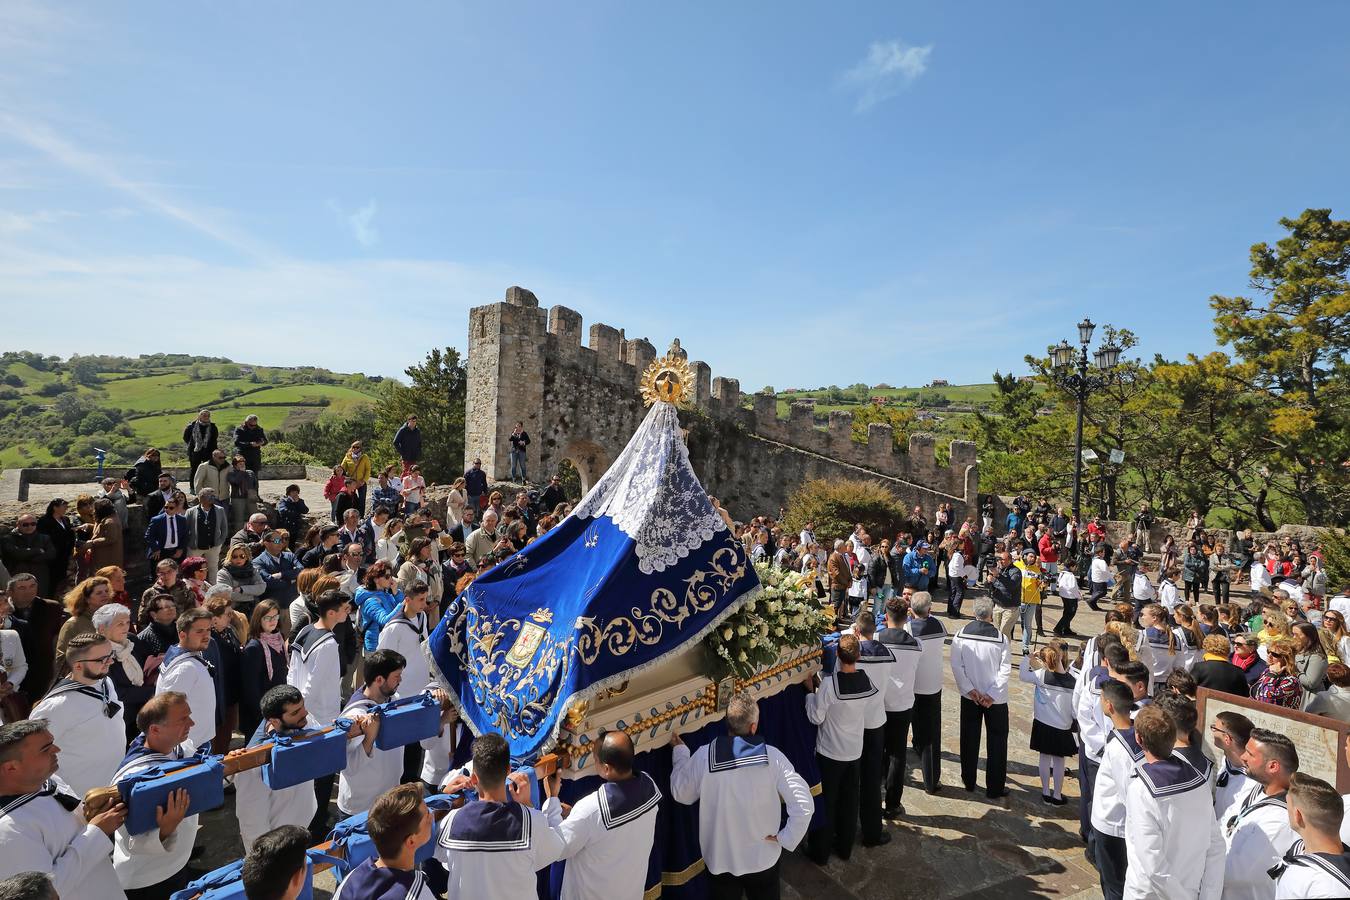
x=1119 y=759
x=86 y=722
x=930 y=633
x=607 y=840
x=1173 y=846
x=142 y=860
x=438 y=749
x=1093 y=728
x=366 y=777
x=1053 y=701
x=982 y=660
x=405 y=636
x=190 y=674
x=877 y=661
x=39 y=832
x=1302 y=874
x=839 y=708
x=315 y=670
x=1256 y=829
x=492 y=850
x=258 y=808
x=1188 y=652
x=741 y=785
x=1230 y=781
x=908 y=652
x=1152 y=648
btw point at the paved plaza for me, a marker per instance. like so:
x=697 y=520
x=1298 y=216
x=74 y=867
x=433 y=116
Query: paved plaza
x=950 y=845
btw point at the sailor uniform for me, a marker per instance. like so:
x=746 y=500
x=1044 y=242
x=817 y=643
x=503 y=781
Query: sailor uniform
x=607 y=840
x=1092 y=731
x=86 y=722
x=1188 y=651
x=1230 y=782
x=1203 y=764
x=143 y=860
x=190 y=674
x=42 y=832
x=877 y=660
x=741 y=785
x=839 y=708
x=12 y=658
x=1256 y=829
x=927 y=717
x=1052 y=710
x=1174 y=846
x=438 y=751
x=259 y=808
x=371 y=882
x=406 y=636
x=1304 y=874
x=899 y=708
x=982 y=661
x=1153 y=651
x=315 y=670
x=492 y=850
x=1119 y=759
x=366 y=777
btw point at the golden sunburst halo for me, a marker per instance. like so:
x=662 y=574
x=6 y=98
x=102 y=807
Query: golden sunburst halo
x=668 y=379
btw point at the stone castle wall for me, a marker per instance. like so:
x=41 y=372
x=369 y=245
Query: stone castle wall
x=581 y=402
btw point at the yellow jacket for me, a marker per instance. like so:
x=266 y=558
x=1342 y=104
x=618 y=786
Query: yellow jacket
x=358 y=469
x=1031 y=582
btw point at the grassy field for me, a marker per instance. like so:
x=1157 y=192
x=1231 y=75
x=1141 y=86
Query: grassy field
x=156 y=403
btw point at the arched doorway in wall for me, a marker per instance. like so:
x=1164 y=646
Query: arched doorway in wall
x=589 y=460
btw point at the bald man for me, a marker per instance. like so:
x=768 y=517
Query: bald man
x=608 y=834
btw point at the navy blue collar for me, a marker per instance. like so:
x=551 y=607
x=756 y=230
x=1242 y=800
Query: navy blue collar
x=728 y=752
x=853 y=685
x=875 y=652
x=1060 y=680
x=371 y=882
x=927 y=628
x=622 y=802
x=1126 y=738
x=981 y=631
x=488 y=826
x=898 y=637
x=1170 y=777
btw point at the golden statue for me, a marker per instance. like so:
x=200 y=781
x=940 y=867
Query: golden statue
x=668 y=379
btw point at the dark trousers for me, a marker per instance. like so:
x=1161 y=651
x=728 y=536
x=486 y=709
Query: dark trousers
x=361 y=498
x=839 y=795
x=1087 y=776
x=1193 y=587
x=1098 y=593
x=755 y=886
x=927 y=722
x=956 y=592
x=1070 y=610
x=870 y=769
x=993 y=719
x=896 y=755
x=412 y=763
x=1110 y=853
x=323 y=793
x=195 y=460
x=1220 y=589
x=161 y=891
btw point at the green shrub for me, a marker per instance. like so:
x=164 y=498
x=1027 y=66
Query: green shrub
x=836 y=505
x=1336 y=556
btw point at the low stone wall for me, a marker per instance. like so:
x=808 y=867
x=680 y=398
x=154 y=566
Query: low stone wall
x=17 y=488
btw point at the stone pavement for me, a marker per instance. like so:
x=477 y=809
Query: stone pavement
x=946 y=846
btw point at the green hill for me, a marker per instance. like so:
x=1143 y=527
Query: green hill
x=943 y=409
x=55 y=412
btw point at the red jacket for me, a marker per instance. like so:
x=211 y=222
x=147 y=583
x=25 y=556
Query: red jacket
x=1048 y=552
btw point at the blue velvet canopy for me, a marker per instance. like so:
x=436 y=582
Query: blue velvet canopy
x=643 y=567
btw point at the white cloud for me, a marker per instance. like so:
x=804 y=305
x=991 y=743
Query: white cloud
x=888 y=68
x=361 y=222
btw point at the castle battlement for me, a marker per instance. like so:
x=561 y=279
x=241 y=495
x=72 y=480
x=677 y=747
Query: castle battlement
x=580 y=402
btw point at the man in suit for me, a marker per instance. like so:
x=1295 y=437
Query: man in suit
x=208 y=528
x=154 y=503
x=167 y=537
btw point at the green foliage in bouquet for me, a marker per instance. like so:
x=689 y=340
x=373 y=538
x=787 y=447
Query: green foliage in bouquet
x=835 y=505
x=784 y=614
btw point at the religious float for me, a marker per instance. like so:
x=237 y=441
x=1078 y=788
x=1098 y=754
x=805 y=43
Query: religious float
x=640 y=611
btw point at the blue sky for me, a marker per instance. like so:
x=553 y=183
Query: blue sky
x=804 y=194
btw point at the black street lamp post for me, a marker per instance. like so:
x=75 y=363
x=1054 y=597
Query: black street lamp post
x=1082 y=383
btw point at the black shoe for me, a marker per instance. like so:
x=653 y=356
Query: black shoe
x=998 y=796
x=970 y=788
x=1057 y=801
x=893 y=813
x=933 y=791
x=1047 y=800
x=882 y=840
